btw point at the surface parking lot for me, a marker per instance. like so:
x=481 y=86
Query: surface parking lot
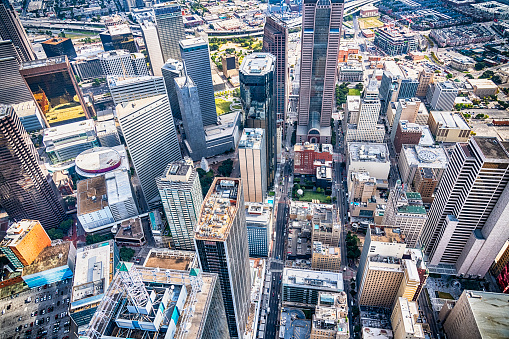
x=38 y=313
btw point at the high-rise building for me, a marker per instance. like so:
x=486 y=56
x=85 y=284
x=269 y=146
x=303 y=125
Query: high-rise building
x=11 y=29
x=404 y=210
x=466 y=226
x=124 y=90
x=425 y=78
x=330 y=320
x=123 y=63
x=181 y=195
x=404 y=320
x=275 y=42
x=118 y=36
x=196 y=59
x=25 y=190
x=259 y=229
x=325 y=257
x=441 y=96
x=394 y=87
x=221 y=243
x=252 y=155
x=59 y=46
x=230 y=63
x=412 y=110
x=153 y=46
x=150 y=135
x=366 y=128
x=394 y=41
x=408 y=133
x=256 y=76
x=170 y=29
x=171 y=70
x=321 y=32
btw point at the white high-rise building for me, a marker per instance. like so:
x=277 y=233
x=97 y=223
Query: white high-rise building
x=252 y=162
x=151 y=138
x=128 y=89
x=366 y=127
x=181 y=195
x=123 y=63
x=442 y=95
x=153 y=46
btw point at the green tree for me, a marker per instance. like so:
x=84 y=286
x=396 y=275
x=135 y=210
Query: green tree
x=66 y=225
x=226 y=168
x=486 y=75
x=479 y=65
x=126 y=253
x=360 y=86
x=61 y=34
x=449 y=76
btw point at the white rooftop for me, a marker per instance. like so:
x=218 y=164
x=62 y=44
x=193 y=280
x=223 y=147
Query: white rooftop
x=100 y=160
x=321 y=280
x=426 y=156
x=252 y=138
x=367 y=151
x=74 y=128
x=450 y=120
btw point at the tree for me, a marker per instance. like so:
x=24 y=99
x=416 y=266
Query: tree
x=62 y=34
x=486 y=75
x=470 y=76
x=96 y=83
x=126 y=253
x=496 y=79
x=226 y=168
x=66 y=225
x=359 y=86
x=479 y=66
x=449 y=76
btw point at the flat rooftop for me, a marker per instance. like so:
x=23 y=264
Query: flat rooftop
x=170 y=259
x=322 y=280
x=55 y=41
x=16 y=232
x=492 y=148
x=490 y=312
x=186 y=43
x=257 y=64
x=130 y=229
x=127 y=108
x=258 y=214
x=72 y=129
x=226 y=126
x=51 y=257
x=325 y=249
x=218 y=210
x=91 y=194
x=369 y=152
x=392 y=67
x=99 y=160
x=376 y=333
x=450 y=120
x=43 y=62
x=119 y=29
x=26 y=109
x=252 y=138
x=426 y=156
x=387 y=234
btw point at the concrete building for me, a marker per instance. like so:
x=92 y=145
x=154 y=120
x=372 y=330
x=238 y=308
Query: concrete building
x=366 y=127
x=303 y=287
x=256 y=75
x=368 y=157
x=395 y=41
x=170 y=29
x=130 y=233
x=148 y=129
x=194 y=52
x=124 y=90
x=330 y=320
x=325 y=257
x=23 y=242
x=425 y=79
x=368 y=10
x=413 y=158
x=478 y=314
x=141 y=315
x=441 y=95
x=259 y=229
x=308 y=157
x=99 y=161
x=12 y=29
x=153 y=46
x=351 y=72
x=222 y=246
x=59 y=46
x=448 y=127
x=230 y=64
x=407 y=133
x=318 y=80
x=118 y=36
x=172 y=70
x=409 y=109
x=405 y=211
x=404 y=320
x=107 y=133
x=464 y=228
x=483 y=87
x=27 y=191
x=252 y=162
x=30 y=115
x=123 y=63
x=462 y=63
x=395 y=86
x=275 y=42
x=88 y=289
x=181 y=195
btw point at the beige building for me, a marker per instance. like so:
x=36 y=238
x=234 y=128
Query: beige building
x=448 y=127
x=252 y=161
x=483 y=87
x=425 y=78
x=477 y=315
x=330 y=320
x=404 y=320
x=325 y=257
x=411 y=109
x=324 y=229
x=363 y=187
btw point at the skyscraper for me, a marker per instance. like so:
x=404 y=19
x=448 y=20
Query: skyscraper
x=321 y=32
x=275 y=42
x=252 y=153
x=181 y=195
x=196 y=58
x=155 y=54
x=441 y=96
x=170 y=28
x=467 y=222
x=124 y=90
x=171 y=70
x=149 y=132
x=221 y=243
x=395 y=87
x=11 y=29
x=59 y=46
x=26 y=192
x=425 y=78
x=256 y=75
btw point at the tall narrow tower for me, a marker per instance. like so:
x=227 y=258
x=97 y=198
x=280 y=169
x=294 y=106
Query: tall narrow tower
x=26 y=192
x=321 y=32
x=221 y=243
x=11 y=29
x=275 y=42
x=170 y=28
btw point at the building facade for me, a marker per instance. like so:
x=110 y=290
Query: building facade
x=59 y=46
x=252 y=162
x=12 y=29
x=395 y=42
x=170 y=71
x=170 y=29
x=153 y=46
x=441 y=96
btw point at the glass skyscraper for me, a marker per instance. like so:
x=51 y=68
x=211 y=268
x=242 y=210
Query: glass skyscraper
x=170 y=28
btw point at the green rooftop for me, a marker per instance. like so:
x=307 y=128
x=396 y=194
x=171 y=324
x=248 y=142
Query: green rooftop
x=413 y=195
x=412 y=209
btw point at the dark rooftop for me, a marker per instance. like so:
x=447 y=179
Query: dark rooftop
x=491 y=148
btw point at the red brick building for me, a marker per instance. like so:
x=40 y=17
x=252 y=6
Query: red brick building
x=407 y=134
x=307 y=157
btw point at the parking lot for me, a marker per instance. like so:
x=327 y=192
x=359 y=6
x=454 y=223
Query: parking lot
x=37 y=313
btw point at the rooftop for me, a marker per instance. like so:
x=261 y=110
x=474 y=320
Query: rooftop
x=258 y=64
x=252 y=138
x=91 y=194
x=369 y=152
x=27 y=108
x=51 y=257
x=169 y=259
x=43 y=62
x=322 y=280
x=376 y=333
x=114 y=80
x=130 y=229
x=119 y=29
x=426 y=156
x=491 y=148
x=450 y=120
x=127 y=108
x=16 y=232
x=218 y=210
x=258 y=214
x=482 y=83
x=187 y=43
x=387 y=234
x=325 y=249
x=490 y=312
x=62 y=132
x=226 y=126
x=99 y=160
x=55 y=41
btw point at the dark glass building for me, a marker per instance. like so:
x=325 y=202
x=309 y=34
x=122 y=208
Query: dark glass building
x=59 y=46
x=118 y=37
x=26 y=192
x=11 y=29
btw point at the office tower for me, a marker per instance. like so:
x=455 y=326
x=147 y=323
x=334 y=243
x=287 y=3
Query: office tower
x=11 y=29
x=170 y=29
x=404 y=320
x=196 y=59
x=366 y=127
x=230 y=63
x=394 y=41
x=149 y=132
x=124 y=90
x=394 y=87
x=252 y=155
x=259 y=228
x=23 y=243
x=405 y=109
x=13 y=88
x=171 y=70
x=118 y=36
x=149 y=32
x=449 y=127
x=59 y=46
x=466 y=226
x=190 y=110
x=476 y=315
x=408 y=133
x=404 y=210
x=325 y=257
x=26 y=192
x=56 y=90
x=221 y=243
x=180 y=191
x=123 y=63
x=321 y=27
x=352 y=71
x=256 y=76
x=30 y=115
x=425 y=78
x=442 y=96
x=275 y=42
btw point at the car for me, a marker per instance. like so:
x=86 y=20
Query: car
x=36 y=300
x=32 y=314
x=32 y=324
x=56 y=316
x=26 y=325
x=47 y=319
x=66 y=331
x=49 y=296
x=20 y=318
x=63 y=314
x=43 y=312
x=37 y=323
